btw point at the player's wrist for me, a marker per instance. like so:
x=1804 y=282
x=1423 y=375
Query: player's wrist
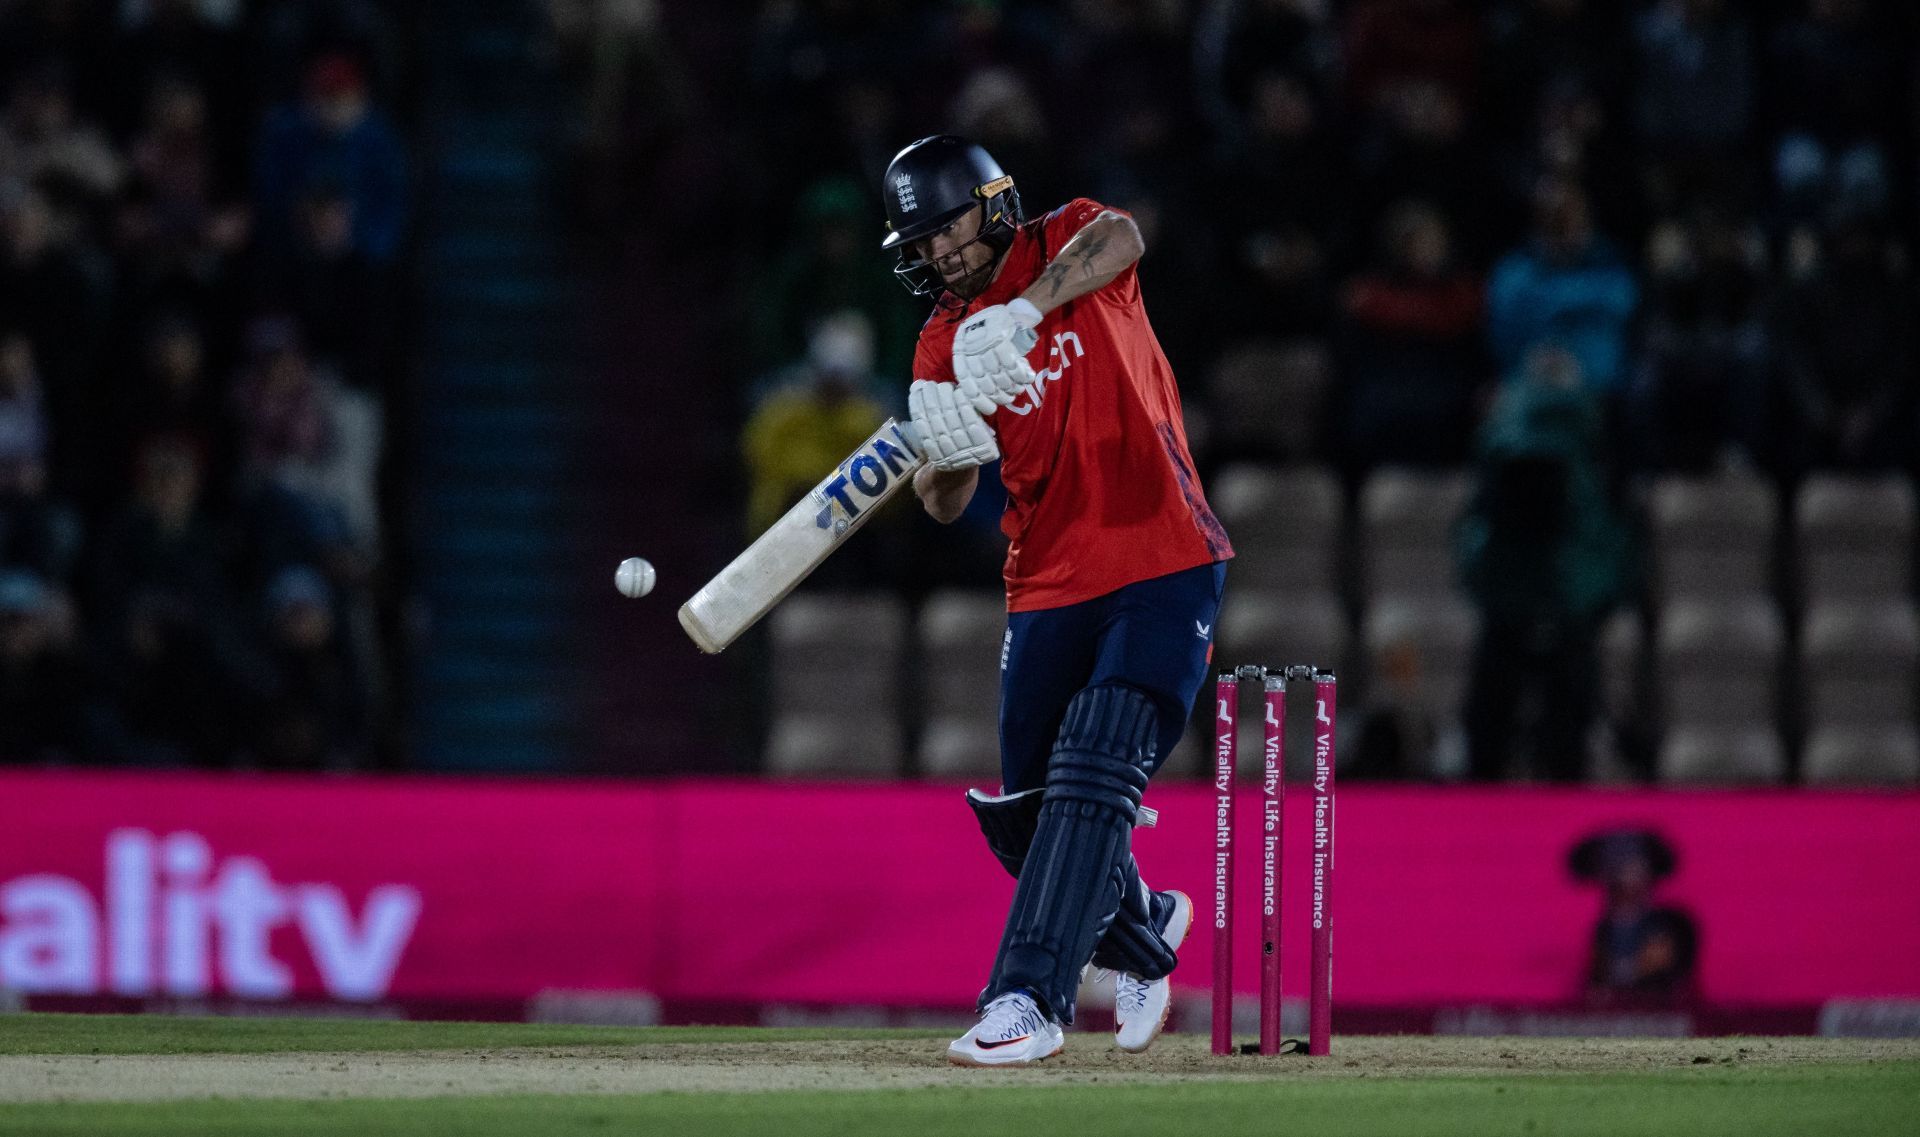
x=1024 y=312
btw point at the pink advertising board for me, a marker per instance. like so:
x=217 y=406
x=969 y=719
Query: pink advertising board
x=485 y=894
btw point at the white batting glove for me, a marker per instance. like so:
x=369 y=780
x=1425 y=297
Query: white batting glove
x=952 y=434
x=990 y=354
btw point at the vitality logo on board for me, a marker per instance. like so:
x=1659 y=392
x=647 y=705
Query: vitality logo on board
x=174 y=920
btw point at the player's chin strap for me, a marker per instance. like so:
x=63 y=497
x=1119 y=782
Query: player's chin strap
x=997 y=234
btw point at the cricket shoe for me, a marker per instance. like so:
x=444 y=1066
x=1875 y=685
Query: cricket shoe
x=1140 y=1006
x=1014 y=1031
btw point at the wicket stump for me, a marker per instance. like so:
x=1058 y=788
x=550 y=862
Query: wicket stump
x=1273 y=854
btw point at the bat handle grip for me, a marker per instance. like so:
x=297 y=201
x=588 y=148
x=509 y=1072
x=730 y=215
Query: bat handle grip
x=910 y=431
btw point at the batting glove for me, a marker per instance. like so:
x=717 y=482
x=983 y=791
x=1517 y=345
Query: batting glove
x=990 y=354
x=952 y=434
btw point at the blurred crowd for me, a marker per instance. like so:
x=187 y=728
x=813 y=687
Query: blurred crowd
x=1597 y=240
x=203 y=209
x=1697 y=212
x=1610 y=240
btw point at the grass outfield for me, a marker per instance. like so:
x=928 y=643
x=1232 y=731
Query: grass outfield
x=1828 y=1100
x=325 y=1078
x=166 y=1034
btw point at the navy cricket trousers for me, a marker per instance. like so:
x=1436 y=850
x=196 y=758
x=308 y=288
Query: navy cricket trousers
x=1155 y=635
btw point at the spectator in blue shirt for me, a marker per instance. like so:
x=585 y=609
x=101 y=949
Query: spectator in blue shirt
x=1569 y=287
x=335 y=138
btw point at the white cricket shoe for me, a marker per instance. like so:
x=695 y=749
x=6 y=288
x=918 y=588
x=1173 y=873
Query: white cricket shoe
x=1140 y=1006
x=1013 y=1032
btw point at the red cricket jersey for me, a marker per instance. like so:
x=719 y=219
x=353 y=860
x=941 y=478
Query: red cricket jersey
x=1101 y=490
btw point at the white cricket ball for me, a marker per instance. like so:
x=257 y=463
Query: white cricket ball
x=634 y=577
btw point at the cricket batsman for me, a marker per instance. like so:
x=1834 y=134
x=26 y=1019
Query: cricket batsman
x=1038 y=353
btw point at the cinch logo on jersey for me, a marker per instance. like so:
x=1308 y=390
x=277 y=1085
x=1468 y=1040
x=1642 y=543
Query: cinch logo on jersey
x=173 y=920
x=1059 y=360
x=860 y=479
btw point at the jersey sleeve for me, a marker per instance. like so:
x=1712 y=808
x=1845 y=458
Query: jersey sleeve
x=1062 y=224
x=933 y=354
x=1070 y=218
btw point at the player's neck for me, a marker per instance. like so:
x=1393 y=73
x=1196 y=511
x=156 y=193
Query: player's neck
x=999 y=266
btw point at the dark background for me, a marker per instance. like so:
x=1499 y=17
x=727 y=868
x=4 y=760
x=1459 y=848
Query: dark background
x=346 y=346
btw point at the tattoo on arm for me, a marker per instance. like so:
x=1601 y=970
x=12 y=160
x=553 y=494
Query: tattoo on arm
x=1055 y=278
x=1085 y=251
x=1081 y=252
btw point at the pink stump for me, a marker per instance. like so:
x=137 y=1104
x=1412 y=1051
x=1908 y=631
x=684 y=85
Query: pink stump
x=1227 y=706
x=1273 y=794
x=1320 y=998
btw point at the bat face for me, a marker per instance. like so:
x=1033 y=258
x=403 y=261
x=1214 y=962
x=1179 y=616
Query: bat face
x=866 y=479
x=807 y=534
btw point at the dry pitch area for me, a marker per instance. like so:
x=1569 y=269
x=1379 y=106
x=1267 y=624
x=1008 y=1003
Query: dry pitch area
x=110 y=1075
x=861 y=1064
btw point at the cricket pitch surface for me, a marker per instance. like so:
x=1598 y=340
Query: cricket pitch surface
x=114 y=1074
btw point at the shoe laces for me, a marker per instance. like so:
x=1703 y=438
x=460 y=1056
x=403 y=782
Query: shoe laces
x=1011 y=1015
x=1130 y=994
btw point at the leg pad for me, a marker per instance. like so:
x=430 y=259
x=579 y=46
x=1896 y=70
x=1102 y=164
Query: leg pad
x=1075 y=879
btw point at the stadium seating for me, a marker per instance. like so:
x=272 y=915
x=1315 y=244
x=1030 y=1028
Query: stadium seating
x=1711 y=537
x=1858 y=664
x=1279 y=628
x=961 y=696
x=1718 y=665
x=1722 y=755
x=1712 y=667
x=813 y=744
x=1430 y=637
x=1853 y=537
x=837 y=667
x=1265 y=399
x=1285 y=525
x=1878 y=755
x=1406 y=532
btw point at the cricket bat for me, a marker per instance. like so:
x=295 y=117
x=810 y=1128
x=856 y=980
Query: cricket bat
x=805 y=535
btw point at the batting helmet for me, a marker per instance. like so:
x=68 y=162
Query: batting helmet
x=928 y=186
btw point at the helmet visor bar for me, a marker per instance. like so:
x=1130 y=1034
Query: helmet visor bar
x=921 y=275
